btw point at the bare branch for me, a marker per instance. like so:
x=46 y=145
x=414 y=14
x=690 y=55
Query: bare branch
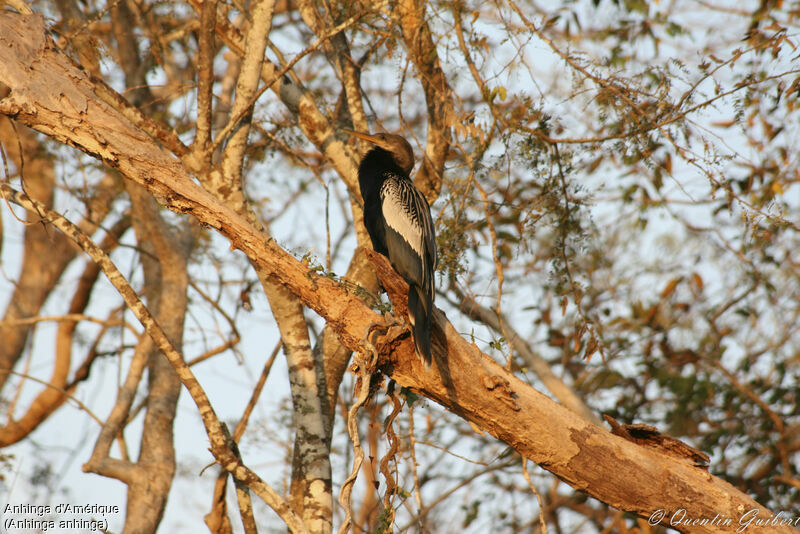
x=246 y=87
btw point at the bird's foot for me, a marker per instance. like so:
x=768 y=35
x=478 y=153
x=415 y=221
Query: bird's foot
x=370 y=353
x=382 y=326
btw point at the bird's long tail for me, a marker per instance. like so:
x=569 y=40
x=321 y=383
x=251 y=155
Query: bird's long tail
x=420 y=314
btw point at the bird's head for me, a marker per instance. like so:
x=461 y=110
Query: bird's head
x=396 y=145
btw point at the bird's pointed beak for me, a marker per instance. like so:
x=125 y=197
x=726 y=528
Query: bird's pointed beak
x=361 y=135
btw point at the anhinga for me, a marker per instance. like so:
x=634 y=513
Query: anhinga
x=398 y=221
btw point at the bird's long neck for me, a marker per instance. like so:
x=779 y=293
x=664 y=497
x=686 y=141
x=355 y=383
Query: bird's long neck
x=374 y=168
x=379 y=158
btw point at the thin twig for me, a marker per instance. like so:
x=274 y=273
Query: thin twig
x=63 y=391
x=445 y=495
x=251 y=404
x=412 y=449
x=69 y=317
x=535 y=492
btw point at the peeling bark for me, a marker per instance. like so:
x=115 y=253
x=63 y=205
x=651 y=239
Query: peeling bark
x=561 y=391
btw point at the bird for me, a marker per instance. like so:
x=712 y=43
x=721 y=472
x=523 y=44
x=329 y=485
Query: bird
x=398 y=220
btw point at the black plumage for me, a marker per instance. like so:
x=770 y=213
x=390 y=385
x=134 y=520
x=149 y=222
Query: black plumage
x=398 y=221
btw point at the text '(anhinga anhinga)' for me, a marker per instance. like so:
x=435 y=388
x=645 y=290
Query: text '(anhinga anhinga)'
x=398 y=220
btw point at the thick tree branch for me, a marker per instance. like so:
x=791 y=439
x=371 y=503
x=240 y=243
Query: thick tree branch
x=539 y=365
x=320 y=132
x=311 y=494
x=166 y=282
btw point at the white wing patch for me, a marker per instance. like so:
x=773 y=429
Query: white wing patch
x=399 y=211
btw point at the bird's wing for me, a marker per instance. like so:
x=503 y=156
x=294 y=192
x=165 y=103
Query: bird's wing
x=428 y=233
x=402 y=213
x=407 y=214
